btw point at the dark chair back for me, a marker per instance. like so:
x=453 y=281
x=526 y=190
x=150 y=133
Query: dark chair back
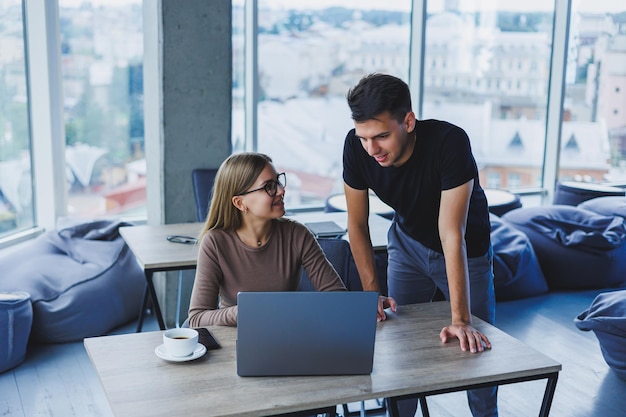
x=338 y=253
x=202 y=179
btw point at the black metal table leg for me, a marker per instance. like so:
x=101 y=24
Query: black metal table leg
x=424 y=406
x=392 y=406
x=548 y=395
x=155 y=301
x=142 y=310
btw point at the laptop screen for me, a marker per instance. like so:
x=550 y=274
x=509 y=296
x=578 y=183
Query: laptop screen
x=306 y=333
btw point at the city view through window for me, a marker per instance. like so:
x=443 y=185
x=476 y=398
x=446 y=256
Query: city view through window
x=102 y=67
x=16 y=198
x=486 y=68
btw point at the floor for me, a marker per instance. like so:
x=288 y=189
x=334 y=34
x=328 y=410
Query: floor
x=58 y=380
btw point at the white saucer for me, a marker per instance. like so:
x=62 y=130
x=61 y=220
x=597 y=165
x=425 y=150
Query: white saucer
x=162 y=353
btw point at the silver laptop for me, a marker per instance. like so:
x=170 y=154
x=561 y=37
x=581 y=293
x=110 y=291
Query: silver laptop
x=306 y=333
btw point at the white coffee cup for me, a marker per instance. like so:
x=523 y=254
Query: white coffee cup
x=180 y=342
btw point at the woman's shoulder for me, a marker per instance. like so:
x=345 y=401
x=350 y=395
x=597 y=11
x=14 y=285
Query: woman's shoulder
x=287 y=223
x=291 y=227
x=216 y=237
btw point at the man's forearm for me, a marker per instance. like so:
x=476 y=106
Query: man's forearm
x=367 y=273
x=363 y=255
x=458 y=286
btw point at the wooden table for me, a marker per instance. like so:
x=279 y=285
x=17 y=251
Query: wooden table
x=155 y=253
x=409 y=359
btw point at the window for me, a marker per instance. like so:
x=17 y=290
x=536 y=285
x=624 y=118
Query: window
x=102 y=56
x=592 y=134
x=506 y=53
x=16 y=193
x=513 y=181
x=238 y=121
x=506 y=127
x=493 y=180
x=309 y=54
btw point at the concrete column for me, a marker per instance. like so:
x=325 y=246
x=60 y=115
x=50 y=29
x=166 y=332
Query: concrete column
x=187 y=101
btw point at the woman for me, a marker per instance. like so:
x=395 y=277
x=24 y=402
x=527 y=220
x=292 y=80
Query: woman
x=247 y=245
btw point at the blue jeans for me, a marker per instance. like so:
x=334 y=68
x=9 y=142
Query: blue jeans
x=415 y=272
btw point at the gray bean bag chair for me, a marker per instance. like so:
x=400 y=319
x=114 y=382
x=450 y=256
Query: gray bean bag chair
x=576 y=248
x=516 y=270
x=606 y=317
x=83 y=281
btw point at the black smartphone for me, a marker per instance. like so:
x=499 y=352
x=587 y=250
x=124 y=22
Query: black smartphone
x=207 y=339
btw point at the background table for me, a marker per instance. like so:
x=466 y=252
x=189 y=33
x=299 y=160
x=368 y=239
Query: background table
x=572 y=193
x=337 y=202
x=155 y=253
x=501 y=201
x=409 y=359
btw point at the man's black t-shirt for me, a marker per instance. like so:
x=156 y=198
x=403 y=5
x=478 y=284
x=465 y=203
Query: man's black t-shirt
x=442 y=159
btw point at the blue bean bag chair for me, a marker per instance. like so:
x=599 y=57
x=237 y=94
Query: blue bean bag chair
x=606 y=317
x=516 y=270
x=83 y=281
x=16 y=318
x=576 y=248
x=607 y=206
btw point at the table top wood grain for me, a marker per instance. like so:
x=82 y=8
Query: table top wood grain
x=409 y=358
x=153 y=251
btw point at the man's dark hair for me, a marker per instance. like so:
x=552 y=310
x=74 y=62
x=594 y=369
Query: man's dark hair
x=378 y=93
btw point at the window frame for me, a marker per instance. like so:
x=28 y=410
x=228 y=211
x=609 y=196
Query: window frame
x=556 y=86
x=44 y=79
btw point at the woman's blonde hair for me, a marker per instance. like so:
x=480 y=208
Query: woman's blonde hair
x=236 y=174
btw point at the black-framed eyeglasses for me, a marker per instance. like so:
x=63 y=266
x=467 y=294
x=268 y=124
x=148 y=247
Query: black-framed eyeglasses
x=271 y=187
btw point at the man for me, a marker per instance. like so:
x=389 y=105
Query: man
x=440 y=235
